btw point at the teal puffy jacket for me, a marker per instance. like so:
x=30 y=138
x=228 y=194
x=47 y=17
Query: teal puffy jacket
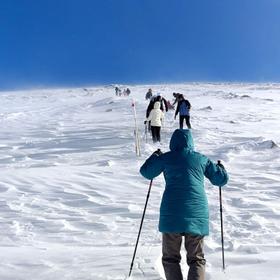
x=184 y=206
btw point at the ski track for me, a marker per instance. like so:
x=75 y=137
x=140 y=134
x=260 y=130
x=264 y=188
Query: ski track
x=72 y=196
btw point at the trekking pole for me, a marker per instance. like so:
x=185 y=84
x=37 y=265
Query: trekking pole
x=146 y=132
x=148 y=194
x=222 y=227
x=221 y=218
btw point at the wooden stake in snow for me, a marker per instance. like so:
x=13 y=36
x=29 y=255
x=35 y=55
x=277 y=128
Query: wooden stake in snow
x=136 y=132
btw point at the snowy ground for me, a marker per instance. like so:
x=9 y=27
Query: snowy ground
x=72 y=197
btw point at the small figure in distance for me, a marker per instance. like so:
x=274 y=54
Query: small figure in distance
x=117 y=91
x=149 y=94
x=127 y=92
x=183 y=108
x=156 y=118
x=154 y=99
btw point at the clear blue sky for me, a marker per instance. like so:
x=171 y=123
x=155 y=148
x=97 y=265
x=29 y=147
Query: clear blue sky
x=84 y=42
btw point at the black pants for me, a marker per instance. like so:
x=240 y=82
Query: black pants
x=156 y=133
x=187 y=118
x=149 y=126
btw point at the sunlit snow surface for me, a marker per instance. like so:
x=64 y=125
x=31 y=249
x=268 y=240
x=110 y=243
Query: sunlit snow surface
x=72 y=197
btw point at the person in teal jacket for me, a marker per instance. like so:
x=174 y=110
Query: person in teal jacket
x=184 y=205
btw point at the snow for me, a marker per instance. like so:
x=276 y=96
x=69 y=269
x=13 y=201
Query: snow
x=72 y=196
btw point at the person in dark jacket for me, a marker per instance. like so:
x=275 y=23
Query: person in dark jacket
x=183 y=108
x=161 y=100
x=149 y=94
x=184 y=206
x=117 y=91
x=127 y=92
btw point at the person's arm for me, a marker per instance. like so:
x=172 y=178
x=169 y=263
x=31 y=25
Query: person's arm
x=177 y=110
x=150 y=116
x=188 y=104
x=165 y=104
x=153 y=166
x=216 y=173
x=149 y=109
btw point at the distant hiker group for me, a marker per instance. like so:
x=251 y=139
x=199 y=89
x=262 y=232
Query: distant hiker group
x=120 y=92
x=158 y=105
x=156 y=109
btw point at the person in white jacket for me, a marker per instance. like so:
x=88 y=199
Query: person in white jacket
x=156 y=117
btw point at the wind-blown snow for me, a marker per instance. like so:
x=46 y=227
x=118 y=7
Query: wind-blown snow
x=72 y=196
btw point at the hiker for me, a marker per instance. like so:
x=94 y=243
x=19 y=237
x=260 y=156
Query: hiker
x=149 y=94
x=127 y=92
x=184 y=206
x=155 y=117
x=163 y=104
x=183 y=108
x=117 y=90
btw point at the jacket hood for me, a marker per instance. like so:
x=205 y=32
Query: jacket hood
x=181 y=139
x=157 y=105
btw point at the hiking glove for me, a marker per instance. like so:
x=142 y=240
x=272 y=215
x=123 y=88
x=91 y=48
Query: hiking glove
x=220 y=164
x=158 y=152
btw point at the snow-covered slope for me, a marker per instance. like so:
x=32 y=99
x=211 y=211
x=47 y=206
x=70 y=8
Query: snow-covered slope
x=72 y=196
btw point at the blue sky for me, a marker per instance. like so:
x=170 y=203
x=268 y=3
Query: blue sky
x=87 y=42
